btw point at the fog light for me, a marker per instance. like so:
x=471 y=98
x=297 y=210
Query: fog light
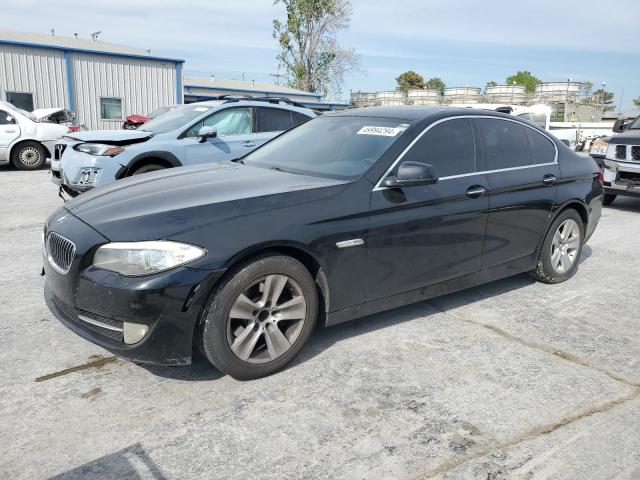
x=134 y=332
x=88 y=176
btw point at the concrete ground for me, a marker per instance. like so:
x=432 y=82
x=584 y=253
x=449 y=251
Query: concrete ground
x=514 y=379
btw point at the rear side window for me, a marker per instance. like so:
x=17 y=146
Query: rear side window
x=4 y=118
x=504 y=144
x=273 y=120
x=448 y=147
x=298 y=118
x=542 y=150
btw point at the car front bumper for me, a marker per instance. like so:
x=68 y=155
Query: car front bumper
x=621 y=178
x=80 y=172
x=98 y=304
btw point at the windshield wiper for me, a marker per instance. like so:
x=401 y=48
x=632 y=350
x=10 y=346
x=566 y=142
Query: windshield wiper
x=238 y=160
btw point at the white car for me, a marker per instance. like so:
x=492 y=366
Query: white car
x=24 y=141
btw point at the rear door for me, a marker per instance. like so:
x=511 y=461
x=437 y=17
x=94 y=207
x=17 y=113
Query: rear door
x=424 y=235
x=271 y=121
x=235 y=137
x=522 y=172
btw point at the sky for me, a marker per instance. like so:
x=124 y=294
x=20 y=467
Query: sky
x=465 y=42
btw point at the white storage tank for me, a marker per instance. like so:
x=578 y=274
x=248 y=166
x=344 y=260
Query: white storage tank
x=462 y=95
x=363 y=99
x=424 y=97
x=511 y=94
x=558 y=91
x=389 y=98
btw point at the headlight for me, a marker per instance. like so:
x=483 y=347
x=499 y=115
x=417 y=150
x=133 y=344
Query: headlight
x=99 y=149
x=598 y=147
x=145 y=258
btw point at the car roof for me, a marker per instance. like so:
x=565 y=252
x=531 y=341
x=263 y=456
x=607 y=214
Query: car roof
x=253 y=103
x=416 y=113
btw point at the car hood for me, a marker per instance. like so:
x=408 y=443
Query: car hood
x=626 y=137
x=45 y=112
x=163 y=204
x=112 y=137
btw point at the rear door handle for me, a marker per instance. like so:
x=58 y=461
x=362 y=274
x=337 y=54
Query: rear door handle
x=248 y=144
x=549 y=180
x=10 y=130
x=476 y=191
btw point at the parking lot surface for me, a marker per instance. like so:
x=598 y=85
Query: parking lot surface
x=513 y=379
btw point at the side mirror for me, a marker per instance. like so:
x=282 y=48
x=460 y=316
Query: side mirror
x=618 y=126
x=411 y=174
x=207 y=132
x=10 y=119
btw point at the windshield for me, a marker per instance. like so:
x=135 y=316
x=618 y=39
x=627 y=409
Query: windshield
x=158 y=112
x=334 y=147
x=635 y=125
x=173 y=120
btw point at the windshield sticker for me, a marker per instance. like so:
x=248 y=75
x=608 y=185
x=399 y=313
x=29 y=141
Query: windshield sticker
x=381 y=131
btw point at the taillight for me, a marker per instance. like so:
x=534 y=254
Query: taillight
x=601 y=177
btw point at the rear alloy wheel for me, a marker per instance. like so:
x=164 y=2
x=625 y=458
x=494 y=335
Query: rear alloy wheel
x=561 y=249
x=260 y=318
x=608 y=199
x=28 y=156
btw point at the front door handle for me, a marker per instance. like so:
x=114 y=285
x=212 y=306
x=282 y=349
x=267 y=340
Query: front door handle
x=10 y=130
x=549 y=180
x=476 y=191
x=248 y=144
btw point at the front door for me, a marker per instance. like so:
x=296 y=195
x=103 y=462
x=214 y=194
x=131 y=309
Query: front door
x=424 y=235
x=235 y=137
x=522 y=175
x=9 y=131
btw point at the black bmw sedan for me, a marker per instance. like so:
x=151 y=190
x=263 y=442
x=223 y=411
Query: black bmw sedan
x=344 y=216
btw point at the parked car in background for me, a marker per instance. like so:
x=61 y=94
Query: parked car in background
x=25 y=142
x=620 y=157
x=197 y=133
x=60 y=116
x=341 y=217
x=134 y=121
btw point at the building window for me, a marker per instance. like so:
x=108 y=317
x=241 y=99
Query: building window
x=22 y=100
x=111 y=108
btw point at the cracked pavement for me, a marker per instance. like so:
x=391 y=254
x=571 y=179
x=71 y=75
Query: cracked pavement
x=509 y=380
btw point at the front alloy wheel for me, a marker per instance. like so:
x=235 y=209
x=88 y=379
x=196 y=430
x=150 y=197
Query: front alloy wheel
x=259 y=317
x=266 y=319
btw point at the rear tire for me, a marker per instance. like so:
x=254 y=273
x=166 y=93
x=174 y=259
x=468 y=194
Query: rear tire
x=151 y=167
x=28 y=156
x=561 y=249
x=608 y=199
x=248 y=329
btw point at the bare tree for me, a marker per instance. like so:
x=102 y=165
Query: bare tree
x=310 y=54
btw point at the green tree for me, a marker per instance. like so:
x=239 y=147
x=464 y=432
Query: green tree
x=409 y=80
x=312 y=58
x=636 y=102
x=525 y=79
x=490 y=84
x=586 y=88
x=435 y=83
x=604 y=97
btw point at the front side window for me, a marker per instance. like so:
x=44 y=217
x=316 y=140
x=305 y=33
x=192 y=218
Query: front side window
x=232 y=121
x=110 y=108
x=635 y=125
x=335 y=147
x=6 y=118
x=504 y=144
x=448 y=147
x=21 y=100
x=273 y=120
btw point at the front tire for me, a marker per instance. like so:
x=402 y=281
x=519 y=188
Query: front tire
x=152 y=167
x=608 y=199
x=28 y=156
x=258 y=320
x=561 y=249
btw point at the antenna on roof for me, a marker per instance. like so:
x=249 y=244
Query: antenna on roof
x=148 y=50
x=53 y=32
x=94 y=35
x=75 y=35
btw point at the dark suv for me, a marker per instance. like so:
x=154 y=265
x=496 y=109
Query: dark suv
x=346 y=215
x=622 y=162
